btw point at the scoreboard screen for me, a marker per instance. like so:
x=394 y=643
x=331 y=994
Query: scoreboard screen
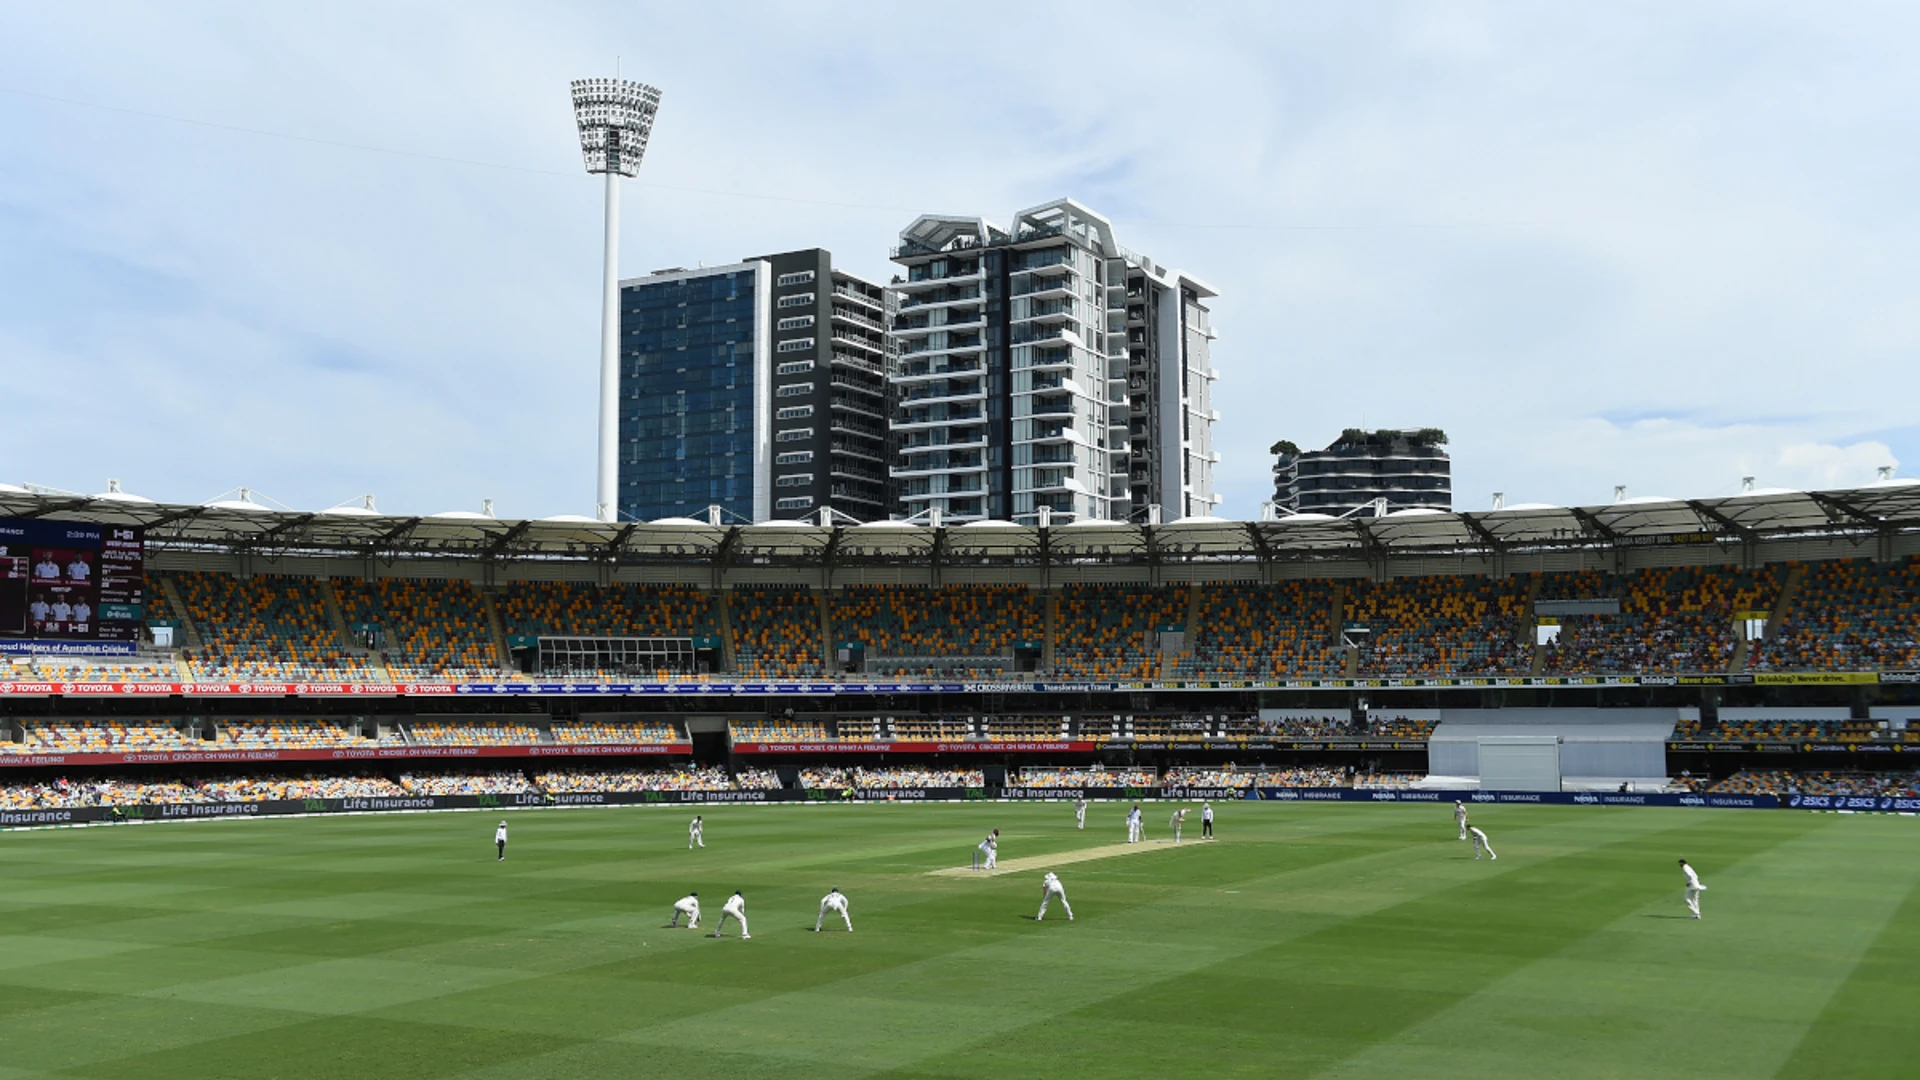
x=71 y=581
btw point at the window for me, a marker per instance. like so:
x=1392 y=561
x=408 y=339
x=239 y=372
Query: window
x=804 y=344
x=794 y=367
x=796 y=322
x=794 y=504
x=796 y=480
x=794 y=434
x=799 y=389
x=793 y=457
x=804 y=299
x=794 y=412
x=794 y=279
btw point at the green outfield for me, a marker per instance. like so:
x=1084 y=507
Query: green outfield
x=1311 y=940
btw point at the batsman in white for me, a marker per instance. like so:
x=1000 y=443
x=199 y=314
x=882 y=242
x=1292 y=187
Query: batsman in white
x=1460 y=817
x=1050 y=887
x=1480 y=843
x=688 y=905
x=833 y=901
x=1080 y=812
x=735 y=906
x=696 y=833
x=1694 y=888
x=986 y=856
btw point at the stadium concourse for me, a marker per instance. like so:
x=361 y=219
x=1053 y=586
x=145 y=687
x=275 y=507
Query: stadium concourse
x=1766 y=644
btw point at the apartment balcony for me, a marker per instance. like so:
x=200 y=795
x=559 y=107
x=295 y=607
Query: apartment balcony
x=904 y=472
x=970 y=345
x=941 y=297
x=1061 y=434
x=846 y=338
x=858 y=406
x=975 y=276
x=919 y=371
x=859 y=297
x=1043 y=287
x=910 y=422
x=931 y=395
x=1030 y=334
x=859 y=384
x=851 y=424
x=857 y=363
x=850 y=316
x=940 y=439
x=874 y=450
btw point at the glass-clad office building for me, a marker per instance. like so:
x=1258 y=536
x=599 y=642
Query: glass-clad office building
x=695 y=393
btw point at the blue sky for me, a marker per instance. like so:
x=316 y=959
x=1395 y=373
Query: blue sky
x=1664 y=246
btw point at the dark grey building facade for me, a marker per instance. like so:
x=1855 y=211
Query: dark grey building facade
x=757 y=387
x=1409 y=468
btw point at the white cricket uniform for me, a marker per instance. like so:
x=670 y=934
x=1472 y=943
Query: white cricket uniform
x=48 y=569
x=1460 y=818
x=500 y=840
x=1133 y=826
x=736 y=906
x=1480 y=842
x=1694 y=889
x=78 y=571
x=993 y=853
x=1050 y=887
x=1206 y=822
x=833 y=901
x=695 y=836
x=1179 y=820
x=690 y=907
x=1079 y=813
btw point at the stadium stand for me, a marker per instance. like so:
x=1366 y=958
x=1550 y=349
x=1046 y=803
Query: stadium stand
x=1678 y=619
x=780 y=731
x=1441 y=626
x=478 y=782
x=471 y=733
x=1818 y=782
x=44 y=669
x=826 y=778
x=984 y=620
x=1261 y=631
x=267 y=628
x=1850 y=615
x=776 y=633
x=66 y=793
x=268 y=733
x=644 y=732
x=101 y=737
x=667 y=778
x=434 y=630
x=1025 y=728
x=757 y=780
x=906 y=776
x=1042 y=776
x=1110 y=631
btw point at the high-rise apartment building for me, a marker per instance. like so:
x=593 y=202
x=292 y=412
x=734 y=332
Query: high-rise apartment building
x=1408 y=468
x=758 y=387
x=1046 y=368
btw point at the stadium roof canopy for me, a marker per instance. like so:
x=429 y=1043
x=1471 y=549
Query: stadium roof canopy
x=1861 y=513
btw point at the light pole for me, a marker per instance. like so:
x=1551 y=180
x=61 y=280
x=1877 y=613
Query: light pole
x=615 y=117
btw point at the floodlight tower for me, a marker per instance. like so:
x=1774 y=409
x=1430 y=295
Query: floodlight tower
x=615 y=117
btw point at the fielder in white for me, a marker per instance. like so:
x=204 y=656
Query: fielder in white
x=1460 y=817
x=1179 y=821
x=1050 y=887
x=1080 y=812
x=1694 y=888
x=688 y=905
x=833 y=901
x=696 y=834
x=500 y=841
x=1480 y=843
x=735 y=906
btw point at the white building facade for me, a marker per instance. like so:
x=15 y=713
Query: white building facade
x=1043 y=373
